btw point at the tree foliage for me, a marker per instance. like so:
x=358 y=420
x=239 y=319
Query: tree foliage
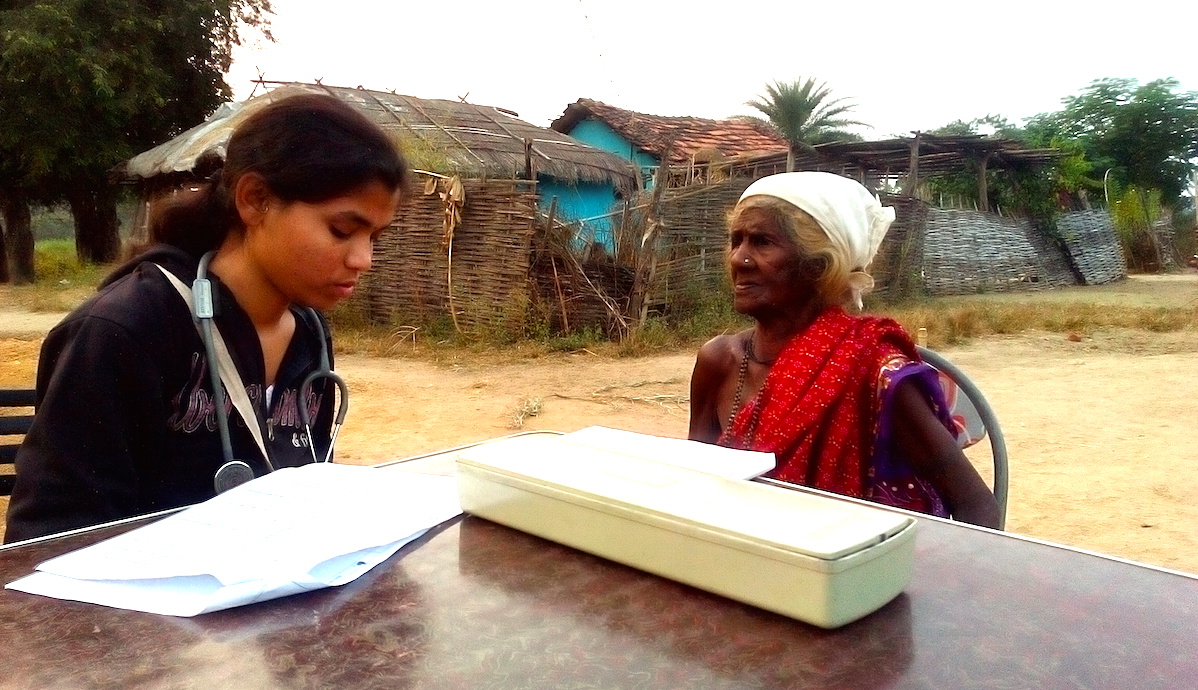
x=1146 y=135
x=805 y=114
x=1129 y=144
x=1134 y=213
x=85 y=84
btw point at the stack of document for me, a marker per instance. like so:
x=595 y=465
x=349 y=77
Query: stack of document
x=290 y=531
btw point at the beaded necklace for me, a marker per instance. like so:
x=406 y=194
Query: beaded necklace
x=751 y=431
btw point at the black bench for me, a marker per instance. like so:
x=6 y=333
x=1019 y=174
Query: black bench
x=12 y=432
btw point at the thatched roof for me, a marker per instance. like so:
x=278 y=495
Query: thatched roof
x=691 y=135
x=893 y=156
x=449 y=136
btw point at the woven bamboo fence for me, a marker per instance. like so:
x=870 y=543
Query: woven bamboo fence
x=511 y=266
x=1162 y=228
x=409 y=284
x=1093 y=246
x=692 y=248
x=927 y=250
x=572 y=295
x=967 y=252
x=897 y=267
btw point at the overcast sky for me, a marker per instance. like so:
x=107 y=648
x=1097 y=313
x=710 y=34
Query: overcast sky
x=907 y=65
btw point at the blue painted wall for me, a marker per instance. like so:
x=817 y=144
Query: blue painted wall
x=582 y=202
x=598 y=134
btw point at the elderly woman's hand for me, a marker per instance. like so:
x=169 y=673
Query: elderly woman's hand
x=937 y=458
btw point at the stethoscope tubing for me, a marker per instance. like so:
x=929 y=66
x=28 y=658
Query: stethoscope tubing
x=324 y=372
x=233 y=471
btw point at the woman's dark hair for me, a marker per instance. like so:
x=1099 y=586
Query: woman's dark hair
x=308 y=148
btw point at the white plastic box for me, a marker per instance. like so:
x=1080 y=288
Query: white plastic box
x=817 y=559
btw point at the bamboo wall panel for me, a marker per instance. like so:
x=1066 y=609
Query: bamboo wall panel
x=500 y=278
x=570 y=301
x=408 y=284
x=931 y=250
x=693 y=246
x=1162 y=228
x=967 y=252
x=897 y=267
x=1093 y=246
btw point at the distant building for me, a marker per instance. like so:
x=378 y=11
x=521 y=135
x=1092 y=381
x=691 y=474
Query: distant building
x=644 y=139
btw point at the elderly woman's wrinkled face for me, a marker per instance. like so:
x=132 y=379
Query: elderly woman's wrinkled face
x=766 y=267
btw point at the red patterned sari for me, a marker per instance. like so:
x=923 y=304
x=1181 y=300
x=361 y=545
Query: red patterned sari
x=826 y=410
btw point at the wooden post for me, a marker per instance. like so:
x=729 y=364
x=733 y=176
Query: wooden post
x=646 y=253
x=983 y=192
x=912 y=167
x=561 y=298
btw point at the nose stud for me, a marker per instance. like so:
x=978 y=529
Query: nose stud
x=746 y=262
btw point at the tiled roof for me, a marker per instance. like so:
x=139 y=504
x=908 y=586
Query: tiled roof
x=651 y=133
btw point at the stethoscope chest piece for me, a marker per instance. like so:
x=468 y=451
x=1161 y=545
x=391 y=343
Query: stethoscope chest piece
x=231 y=474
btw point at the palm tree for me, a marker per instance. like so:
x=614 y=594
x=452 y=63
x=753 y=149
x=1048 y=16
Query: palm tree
x=804 y=114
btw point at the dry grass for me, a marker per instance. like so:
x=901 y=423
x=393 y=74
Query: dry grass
x=614 y=394
x=1157 y=304
x=530 y=407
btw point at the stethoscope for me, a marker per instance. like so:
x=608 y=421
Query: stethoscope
x=235 y=472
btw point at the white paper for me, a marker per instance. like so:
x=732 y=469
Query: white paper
x=293 y=530
x=694 y=455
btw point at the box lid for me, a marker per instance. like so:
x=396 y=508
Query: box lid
x=703 y=457
x=755 y=516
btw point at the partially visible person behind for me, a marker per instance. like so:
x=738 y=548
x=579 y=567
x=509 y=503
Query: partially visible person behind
x=842 y=400
x=125 y=422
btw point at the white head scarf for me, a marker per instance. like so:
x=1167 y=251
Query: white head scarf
x=848 y=213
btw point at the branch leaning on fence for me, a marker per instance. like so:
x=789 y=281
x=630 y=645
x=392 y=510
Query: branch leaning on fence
x=646 y=256
x=453 y=197
x=612 y=307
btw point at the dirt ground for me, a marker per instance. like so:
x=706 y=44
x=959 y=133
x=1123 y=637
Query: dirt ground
x=1100 y=432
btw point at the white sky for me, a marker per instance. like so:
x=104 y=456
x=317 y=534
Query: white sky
x=907 y=65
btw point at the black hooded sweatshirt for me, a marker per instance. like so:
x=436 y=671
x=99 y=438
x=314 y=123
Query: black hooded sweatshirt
x=123 y=419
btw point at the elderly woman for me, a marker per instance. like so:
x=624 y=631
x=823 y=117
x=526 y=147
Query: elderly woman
x=842 y=400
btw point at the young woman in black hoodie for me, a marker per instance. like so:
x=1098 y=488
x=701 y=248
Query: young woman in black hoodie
x=125 y=420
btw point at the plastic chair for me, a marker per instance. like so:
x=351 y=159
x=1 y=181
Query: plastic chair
x=12 y=425
x=975 y=419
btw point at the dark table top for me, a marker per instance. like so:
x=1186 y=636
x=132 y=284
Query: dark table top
x=476 y=605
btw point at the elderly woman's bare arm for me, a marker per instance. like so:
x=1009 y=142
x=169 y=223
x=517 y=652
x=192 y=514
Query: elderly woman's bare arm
x=707 y=380
x=934 y=454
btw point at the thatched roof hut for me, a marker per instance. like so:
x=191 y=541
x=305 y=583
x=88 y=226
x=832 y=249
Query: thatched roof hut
x=483 y=272
x=462 y=139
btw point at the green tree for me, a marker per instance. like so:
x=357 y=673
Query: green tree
x=1146 y=135
x=85 y=84
x=805 y=114
x=1134 y=213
